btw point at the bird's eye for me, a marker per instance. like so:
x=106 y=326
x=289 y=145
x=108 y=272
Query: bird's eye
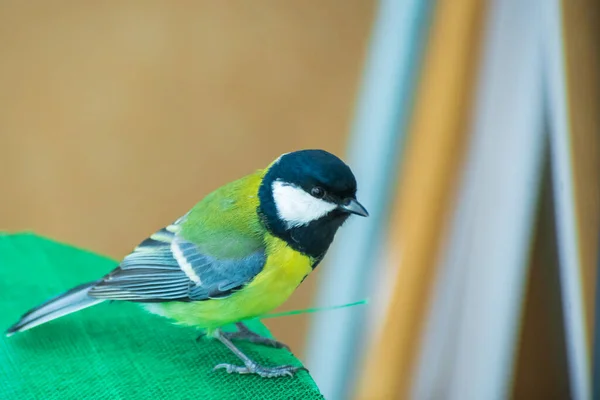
x=317 y=192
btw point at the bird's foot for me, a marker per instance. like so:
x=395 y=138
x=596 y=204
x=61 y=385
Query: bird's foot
x=264 y=372
x=250 y=366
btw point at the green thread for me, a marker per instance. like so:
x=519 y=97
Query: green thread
x=312 y=310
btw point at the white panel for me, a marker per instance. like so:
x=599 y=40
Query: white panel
x=564 y=195
x=472 y=331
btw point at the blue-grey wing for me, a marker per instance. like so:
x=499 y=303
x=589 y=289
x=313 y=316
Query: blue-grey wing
x=166 y=267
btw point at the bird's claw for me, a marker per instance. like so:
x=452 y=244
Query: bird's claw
x=264 y=372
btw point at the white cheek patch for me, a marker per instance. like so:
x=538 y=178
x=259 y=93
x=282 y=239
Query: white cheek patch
x=296 y=207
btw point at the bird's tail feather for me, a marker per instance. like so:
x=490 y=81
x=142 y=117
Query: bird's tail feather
x=73 y=300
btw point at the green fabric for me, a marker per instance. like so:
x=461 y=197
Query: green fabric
x=113 y=350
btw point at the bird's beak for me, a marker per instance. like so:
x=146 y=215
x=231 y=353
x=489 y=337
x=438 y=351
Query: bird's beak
x=354 y=207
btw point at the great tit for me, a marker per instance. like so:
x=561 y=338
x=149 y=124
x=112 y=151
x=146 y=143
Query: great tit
x=237 y=254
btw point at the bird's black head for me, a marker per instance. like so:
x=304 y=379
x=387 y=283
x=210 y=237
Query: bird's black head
x=305 y=197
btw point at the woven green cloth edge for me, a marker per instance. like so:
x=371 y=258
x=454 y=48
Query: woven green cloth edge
x=113 y=350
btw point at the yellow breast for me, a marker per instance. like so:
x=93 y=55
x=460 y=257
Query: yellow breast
x=284 y=270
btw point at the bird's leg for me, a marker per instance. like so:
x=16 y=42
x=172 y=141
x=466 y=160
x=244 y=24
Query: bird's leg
x=244 y=333
x=251 y=367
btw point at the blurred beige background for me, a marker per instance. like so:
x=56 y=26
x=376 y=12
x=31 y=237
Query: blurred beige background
x=116 y=117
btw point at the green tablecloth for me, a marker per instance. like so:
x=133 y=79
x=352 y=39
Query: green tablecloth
x=113 y=350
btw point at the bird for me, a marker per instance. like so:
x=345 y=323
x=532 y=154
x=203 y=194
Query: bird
x=237 y=254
